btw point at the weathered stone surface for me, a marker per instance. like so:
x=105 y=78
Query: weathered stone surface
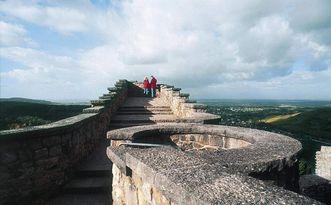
x=52 y=141
x=48 y=163
x=41 y=153
x=25 y=155
x=35 y=161
x=316 y=187
x=60 y=126
x=35 y=144
x=211 y=177
x=55 y=151
x=323 y=162
x=8 y=157
x=216 y=141
x=94 y=109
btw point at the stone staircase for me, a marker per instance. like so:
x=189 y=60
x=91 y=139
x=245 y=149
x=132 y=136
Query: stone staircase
x=93 y=179
x=91 y=184
x=142 y=111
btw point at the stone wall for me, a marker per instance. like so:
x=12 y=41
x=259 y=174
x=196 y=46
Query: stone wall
x=36 y=161
x=179 y=102
x=323 y=162
x=254 y=168
x=133 y=190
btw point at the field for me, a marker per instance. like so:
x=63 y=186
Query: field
x=315 y=123
x=18 y=113
x=278 y=118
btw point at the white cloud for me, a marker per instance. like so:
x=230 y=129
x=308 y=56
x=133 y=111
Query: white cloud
x=61 y=19
x=190 y=43
x=41 y=74
x=297 y=85
x=12 y=34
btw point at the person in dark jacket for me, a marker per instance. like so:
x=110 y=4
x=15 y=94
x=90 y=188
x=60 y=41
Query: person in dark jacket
x=153 y=86
x=146 y=86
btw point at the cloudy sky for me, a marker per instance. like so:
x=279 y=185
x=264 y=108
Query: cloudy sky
x=262 y=49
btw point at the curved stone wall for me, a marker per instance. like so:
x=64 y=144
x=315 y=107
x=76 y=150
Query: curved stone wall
x=189 y=142
x=168 y=175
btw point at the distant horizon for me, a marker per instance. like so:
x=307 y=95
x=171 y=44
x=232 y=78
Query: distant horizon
x=199 y=99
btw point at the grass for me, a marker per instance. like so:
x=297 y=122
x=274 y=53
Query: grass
x=315 y=123
x=276 y=118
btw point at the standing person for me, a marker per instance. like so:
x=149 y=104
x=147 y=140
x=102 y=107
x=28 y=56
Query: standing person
x=146 y=86
x=153 y=86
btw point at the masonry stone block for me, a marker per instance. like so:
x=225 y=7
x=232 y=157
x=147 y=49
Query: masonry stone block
x=66 y=138
x=41 y=153
x=51 y=141
x=8 y=157
x=216 y=141
x=147 y=191
x=48 y=163
x=55 y=151
x=35 y=144
x=25 y=155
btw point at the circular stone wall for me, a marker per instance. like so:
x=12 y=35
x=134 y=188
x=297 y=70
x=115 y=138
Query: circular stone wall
x=257 y=149
x=188 y=142
x=255 y=153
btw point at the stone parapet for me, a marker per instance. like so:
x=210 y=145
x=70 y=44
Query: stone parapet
x=36 y=161
x=180 y=103
x=203 y=164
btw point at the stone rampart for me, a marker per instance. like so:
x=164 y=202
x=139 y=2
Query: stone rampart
x=36 y=161
x=203 y=164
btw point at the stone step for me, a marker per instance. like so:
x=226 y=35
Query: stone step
x=123 y=125
x=97 y=160
x=144 y=109
x=143 y=118
x=147 y=106
x=132 y=121
x=80 y=199
x=144 y=113
x=88 y=185
x=141 y=122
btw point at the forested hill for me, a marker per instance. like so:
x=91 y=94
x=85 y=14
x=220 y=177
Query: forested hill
x=25 y=112
x=316 y=123
x=26 y=100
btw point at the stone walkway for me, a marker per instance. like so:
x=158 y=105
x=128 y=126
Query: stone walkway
x=93 y=179
x=142 y=111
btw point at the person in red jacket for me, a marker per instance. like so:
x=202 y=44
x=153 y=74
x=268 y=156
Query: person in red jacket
x=146 y=86
x=153 y=86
